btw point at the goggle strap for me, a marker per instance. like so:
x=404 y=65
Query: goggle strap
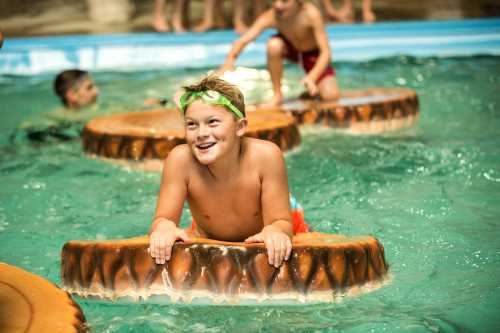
x=189 y=96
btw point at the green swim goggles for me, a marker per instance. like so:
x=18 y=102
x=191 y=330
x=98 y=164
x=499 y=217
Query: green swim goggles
x=211 y=97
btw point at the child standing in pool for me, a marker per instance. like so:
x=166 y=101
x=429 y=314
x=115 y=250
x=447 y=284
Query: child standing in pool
x=226 y=178
x=301 y=39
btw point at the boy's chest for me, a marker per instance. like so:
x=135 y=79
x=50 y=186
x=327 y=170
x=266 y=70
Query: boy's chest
x=235 y=194
x=298 y=29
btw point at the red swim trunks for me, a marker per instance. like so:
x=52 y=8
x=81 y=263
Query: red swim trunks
x=306 y=59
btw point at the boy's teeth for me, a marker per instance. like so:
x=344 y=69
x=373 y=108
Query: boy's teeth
x=205 y=145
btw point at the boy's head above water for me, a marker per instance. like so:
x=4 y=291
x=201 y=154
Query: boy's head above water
x=214 y=119
x=75 y=88
x=213 y=90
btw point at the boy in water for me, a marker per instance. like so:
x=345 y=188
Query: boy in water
x=75 y=88
x=301 y=39
x=77 y=91
x=236 y=187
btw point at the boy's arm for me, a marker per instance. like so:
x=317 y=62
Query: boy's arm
x=173 y=191
x=322 y=40
x=264 y=21
x=277 y=231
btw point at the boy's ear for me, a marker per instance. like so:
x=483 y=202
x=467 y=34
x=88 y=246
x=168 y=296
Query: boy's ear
x=71 y=96
x=241 y=126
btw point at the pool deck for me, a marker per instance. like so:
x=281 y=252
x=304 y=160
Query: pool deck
x=139 y=51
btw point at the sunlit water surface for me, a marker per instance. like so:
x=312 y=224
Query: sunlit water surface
x=431 y=194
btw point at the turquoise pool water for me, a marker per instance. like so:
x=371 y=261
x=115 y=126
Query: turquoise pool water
x=429 y=193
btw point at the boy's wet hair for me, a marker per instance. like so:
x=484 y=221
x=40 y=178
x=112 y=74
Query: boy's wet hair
x=67 y=80
x=228 y=90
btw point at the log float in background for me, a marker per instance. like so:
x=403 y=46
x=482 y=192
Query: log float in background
x=322 y=267
x=368 y=111
x=153 y=134
x=31 y=304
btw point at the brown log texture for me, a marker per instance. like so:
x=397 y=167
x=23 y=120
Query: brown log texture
x=367 y=111
x=321 y=267
x=153 y=134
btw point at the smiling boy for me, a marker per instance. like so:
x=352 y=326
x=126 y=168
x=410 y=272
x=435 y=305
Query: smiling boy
x=236 y=187
x=301 y=39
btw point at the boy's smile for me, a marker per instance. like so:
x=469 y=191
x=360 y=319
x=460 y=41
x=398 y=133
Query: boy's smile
x=211 y=131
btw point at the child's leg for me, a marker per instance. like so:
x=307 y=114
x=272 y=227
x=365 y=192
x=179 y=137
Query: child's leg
x=177 y=15
x=329 y=88
x=208 y=16
x=345 y=13
x=239 y=16
x=159 y=19
x=330 y=11
x=275 y=50
x=368 y=15
x=219 y=17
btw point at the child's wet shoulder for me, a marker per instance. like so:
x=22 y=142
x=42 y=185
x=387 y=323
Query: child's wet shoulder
x=262 y=147
x=180 y=153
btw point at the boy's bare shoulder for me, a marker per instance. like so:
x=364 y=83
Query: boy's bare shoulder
x=262 y=149
x=312 y=11
x=181 y=155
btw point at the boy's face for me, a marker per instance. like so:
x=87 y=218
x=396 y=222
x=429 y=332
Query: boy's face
x=84 y=93
x=285 y=8
x=211 y=131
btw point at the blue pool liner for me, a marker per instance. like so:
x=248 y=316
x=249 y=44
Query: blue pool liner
x=140 y=51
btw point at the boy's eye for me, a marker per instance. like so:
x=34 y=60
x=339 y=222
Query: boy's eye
x=190 y=125
x=213 y=121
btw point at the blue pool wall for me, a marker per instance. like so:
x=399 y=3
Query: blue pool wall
x=139 y=51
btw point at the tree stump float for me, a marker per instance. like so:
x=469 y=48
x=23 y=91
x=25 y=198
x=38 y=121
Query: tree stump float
x=153 y=134
x=322 y=267
x=367 y=111
x=31 y=304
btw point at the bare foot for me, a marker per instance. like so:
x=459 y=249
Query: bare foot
x=159 y=24
x=178 y=27
x=203 y=26
x=369 y=17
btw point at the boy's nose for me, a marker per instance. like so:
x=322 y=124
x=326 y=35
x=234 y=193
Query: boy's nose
x=202 y=131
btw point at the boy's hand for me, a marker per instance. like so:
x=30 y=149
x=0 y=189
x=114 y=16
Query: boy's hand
x=310 y=86
x=278 y=244
x=163 y=238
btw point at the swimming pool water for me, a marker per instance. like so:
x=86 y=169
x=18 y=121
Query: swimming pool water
x=429 y=193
